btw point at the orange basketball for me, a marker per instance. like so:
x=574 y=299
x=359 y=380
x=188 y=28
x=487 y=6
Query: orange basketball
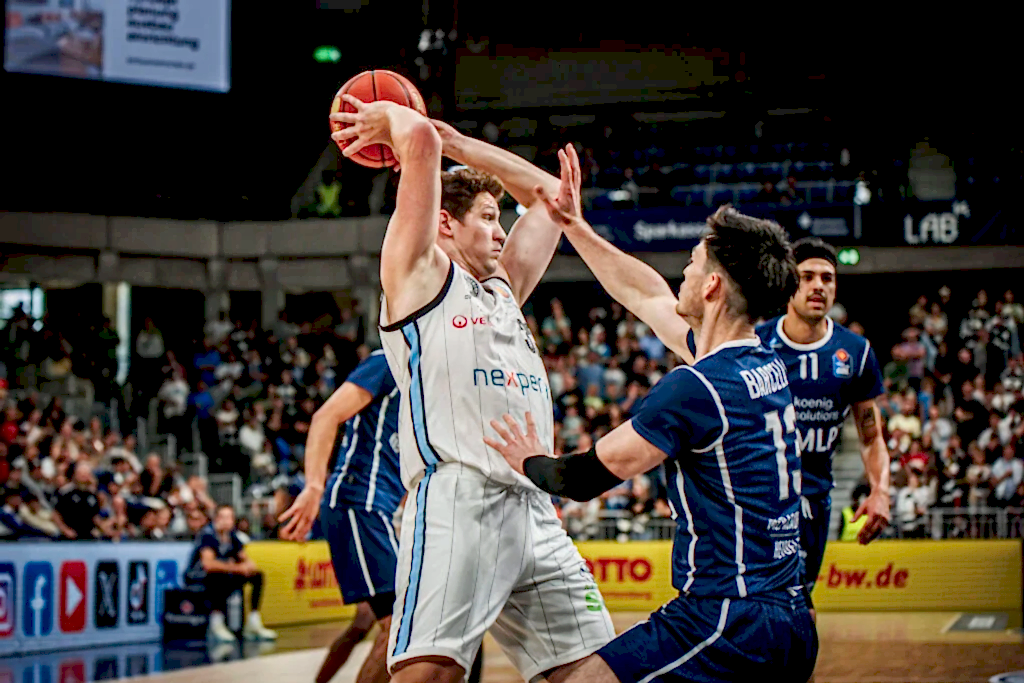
x=371 y=86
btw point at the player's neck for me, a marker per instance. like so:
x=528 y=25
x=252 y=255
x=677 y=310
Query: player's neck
x=717 y=328
x=803 y=331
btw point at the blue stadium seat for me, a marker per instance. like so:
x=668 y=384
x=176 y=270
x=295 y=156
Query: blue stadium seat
x=746 y=171
x=721 y=196
x=704 y=152
x=725 y=173
x=747 y=196
x=702 y=173
x=817 y=193
x=695 y=198
x=729 y=152
x=842 y=193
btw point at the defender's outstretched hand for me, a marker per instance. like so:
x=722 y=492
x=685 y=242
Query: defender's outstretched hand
x=301 y=515
x=370 y=125
x=518 y=446
x=565 y=209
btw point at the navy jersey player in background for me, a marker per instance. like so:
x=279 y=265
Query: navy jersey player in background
x=725 y=428
x=831 y=370
x=356 y=505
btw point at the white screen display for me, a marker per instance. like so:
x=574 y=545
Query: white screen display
x=175 y=43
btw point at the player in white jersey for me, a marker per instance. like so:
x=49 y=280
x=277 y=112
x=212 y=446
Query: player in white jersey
x=481 y=546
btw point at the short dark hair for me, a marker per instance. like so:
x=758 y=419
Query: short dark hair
x=756 y=255
x=814 y=247
x=459 y=189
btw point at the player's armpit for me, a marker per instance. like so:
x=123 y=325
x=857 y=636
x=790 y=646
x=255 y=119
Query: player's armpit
x=528 y=251
x=627 y=454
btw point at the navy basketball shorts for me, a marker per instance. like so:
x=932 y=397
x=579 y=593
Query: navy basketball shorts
x=364 y=551
x=765 y=637
x=815 y=514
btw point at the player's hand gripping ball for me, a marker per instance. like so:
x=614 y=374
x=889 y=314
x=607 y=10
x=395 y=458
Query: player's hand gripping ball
x=372 y=86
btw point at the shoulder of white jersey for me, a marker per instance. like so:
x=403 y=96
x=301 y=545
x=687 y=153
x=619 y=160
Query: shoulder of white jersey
x=427 y=308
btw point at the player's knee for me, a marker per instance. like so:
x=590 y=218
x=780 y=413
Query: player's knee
x=433 y=669
x=364 y=618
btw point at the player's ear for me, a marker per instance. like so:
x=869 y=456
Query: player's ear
x=712 y=286
x=444 y=223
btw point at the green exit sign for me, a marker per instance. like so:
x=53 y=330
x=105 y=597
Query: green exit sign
x=327 y=54
x=849 y=256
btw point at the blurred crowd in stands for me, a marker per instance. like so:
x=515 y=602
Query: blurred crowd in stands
x=953 y=413
x=245 y=398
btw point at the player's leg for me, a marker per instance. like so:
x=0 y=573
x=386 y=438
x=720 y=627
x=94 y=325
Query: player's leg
x=341 y=648
x=374 y=668
x=556 y=616
x=461 y=554
x=814 y=523
x=364 y=555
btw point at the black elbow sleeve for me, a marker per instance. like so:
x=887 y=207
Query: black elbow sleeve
x=580 y=476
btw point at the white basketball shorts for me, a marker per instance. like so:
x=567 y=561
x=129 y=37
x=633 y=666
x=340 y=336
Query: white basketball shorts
x=476 y=555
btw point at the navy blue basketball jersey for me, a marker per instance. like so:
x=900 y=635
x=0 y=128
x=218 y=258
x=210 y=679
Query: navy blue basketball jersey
x=826 y=378
x=727 y=425
x=366 y=471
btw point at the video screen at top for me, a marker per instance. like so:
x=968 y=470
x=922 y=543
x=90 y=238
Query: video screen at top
x=173 y=43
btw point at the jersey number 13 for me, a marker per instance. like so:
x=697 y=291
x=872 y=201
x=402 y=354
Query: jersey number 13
x=774 y=426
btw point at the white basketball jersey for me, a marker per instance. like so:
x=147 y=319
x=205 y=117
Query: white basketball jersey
x=464 y=359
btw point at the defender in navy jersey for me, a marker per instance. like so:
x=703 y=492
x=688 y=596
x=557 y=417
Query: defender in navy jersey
x=726 y=429
x=831 y=371
x=356 y=504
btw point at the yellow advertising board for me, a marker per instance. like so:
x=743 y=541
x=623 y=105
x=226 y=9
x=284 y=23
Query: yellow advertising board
x=299 y=585
x=907 y=576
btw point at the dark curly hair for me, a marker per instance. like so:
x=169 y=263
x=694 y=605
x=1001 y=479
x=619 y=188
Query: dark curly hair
x=459 y=189
x=756 y=255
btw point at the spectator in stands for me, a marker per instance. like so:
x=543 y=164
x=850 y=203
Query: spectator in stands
x=849 y=529
x=156 y=481
x=979 y=478
x=1012 y=308
x=906 y=426
x=970 y=414
x=220 y=564
x=767 y=194
x=936 y=324
x=788 y=193
x=1007 y=475
x=918 y=312
x=77 y=512
x=937 y=431
x=953 y=464
x=174 y=396
x=912 y=503
x=911 y=352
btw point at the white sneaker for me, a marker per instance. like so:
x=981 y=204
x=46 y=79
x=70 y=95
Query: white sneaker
x=255 y=630
x=218 y=630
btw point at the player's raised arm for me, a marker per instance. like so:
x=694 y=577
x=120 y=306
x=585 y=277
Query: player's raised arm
x=349 y=399
x=618 y=456
x=412 y=267
x=630 y=281
x=532 y=240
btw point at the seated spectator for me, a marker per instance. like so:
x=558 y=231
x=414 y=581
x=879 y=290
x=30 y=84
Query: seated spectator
x=906 y=426
x=996 y=435
x=937 y=431
x=970 y=414
x=220 y=564
x=156 y=481
x=912 y=504
x=77 y=512
x=1007 y=475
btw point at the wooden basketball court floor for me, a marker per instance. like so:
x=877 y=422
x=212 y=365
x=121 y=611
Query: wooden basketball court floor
x=879 y=647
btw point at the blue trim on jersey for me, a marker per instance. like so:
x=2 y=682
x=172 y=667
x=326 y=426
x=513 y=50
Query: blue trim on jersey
x=411 y=333
x=416 y=570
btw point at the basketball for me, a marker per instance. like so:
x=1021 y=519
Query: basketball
x=370 y=86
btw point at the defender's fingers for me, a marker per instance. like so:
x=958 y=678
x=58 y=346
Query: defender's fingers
x=513 y=425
